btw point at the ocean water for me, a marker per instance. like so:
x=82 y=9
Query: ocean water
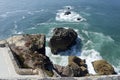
x=99 y=27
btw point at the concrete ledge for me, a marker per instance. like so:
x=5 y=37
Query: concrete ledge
x=110 y=77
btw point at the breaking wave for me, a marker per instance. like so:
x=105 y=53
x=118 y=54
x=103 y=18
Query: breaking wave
x=71 y=17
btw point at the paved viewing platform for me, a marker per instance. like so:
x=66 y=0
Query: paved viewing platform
x=7 y=69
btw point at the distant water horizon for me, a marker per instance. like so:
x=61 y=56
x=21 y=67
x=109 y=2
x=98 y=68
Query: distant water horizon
x=99 y=30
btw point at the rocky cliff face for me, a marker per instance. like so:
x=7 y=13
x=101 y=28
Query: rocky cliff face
x=29 y=50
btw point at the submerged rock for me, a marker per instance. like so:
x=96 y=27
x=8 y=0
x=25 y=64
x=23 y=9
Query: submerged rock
x=62 y=39
x=102 y=67
x=67 y=13
x=78 y=19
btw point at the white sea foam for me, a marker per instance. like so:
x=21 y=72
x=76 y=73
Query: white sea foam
x=31 y=28
x=86 y=14
x=57 y=59
x=30 y=13
x=73 y=17
x=14 y=30
x=3 y=15
x=90 y=56
x=23 y=17
x=87 y=8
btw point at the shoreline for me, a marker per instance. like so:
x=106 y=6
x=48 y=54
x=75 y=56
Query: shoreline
x=27 y=73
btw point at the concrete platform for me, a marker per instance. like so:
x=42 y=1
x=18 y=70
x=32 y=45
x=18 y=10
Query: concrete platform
x=6 y=65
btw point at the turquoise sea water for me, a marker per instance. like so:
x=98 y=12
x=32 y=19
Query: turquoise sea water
x=100 y=32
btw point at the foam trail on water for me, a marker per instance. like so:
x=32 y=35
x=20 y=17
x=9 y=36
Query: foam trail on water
x=90 y=56
x=57 y=59
x=14 y=30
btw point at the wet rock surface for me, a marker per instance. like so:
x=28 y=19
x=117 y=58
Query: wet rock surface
x=102 y=67
x=62 y=39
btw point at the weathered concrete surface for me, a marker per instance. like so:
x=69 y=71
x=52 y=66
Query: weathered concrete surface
x=110 y=77
x=6 y=66
x=7 y=69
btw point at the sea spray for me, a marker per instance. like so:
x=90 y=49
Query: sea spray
x=72 y=17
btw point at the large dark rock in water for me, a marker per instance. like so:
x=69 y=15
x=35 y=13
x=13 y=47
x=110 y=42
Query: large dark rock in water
x=62 y=39
x=102 y=67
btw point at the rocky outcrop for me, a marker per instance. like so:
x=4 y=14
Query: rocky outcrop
x=62 y=39
x=78 y=66
x=29 y=51
x=102 y=67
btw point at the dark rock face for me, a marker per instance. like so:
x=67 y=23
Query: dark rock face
x=102 y=67
x=78 y=19
x=62 y=39
x=35 y=43
x=67 y=13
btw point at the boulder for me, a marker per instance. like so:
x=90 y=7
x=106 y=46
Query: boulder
x=78 y=66
x=62 y=39
x=102 y=67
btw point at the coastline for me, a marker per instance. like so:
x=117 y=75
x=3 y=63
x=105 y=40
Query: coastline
x=34 y=74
